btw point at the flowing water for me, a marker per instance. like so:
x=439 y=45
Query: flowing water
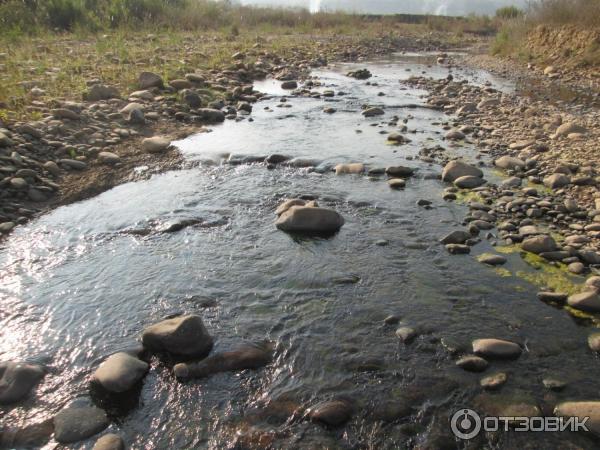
x=78 y=285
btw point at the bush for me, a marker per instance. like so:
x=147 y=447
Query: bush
x=509 y=12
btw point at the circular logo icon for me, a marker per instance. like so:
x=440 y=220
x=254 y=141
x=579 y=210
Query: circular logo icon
x=466 y=424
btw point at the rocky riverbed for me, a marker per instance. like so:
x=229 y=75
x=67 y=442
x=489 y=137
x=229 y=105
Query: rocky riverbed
x=353 y=254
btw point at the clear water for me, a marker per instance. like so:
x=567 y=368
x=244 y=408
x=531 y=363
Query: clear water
x=77 y=285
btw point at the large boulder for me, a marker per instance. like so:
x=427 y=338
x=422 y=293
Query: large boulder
x=120 y=372
x=182 y=336
x=249 y=356
x=581 y=410
x=457 y=169
x=539 y=244
x=149 y=80
x=17 y=380
x=76 y=423
x=307 y=220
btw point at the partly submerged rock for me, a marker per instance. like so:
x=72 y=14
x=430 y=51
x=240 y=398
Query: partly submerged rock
x=182 y=336
x=308 y=220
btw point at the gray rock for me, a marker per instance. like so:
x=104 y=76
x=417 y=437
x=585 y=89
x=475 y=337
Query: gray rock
x=303 y=219
x=496 y=348
x=211 y=115
x=491 y=259
x=468 y=182
x=333 y=413
x=585 y=301
x=406 y=334
x=149 y=80
x=6 y=227
x=458 y=249
x=191 y=98
x=109 y=158
x=183 y=336
x=64 y=113
x=568 y=128
x=155 y=144
x=400 y=171
x=120 y=372
x=101 y=92
x=556 y=181
x=552 y=297
x=372 y=112
x=180 y=84
x=511 y=182
x=249 y=356
x=509 y=163
x=73 y=164
x=455 y=135
x=76 y=423
x=456 y=237
x=472 y=363
x=109 y=442
x=5 y=141
x=539 y=244
x=457 y=169
x=17 y=380
x=290 y=84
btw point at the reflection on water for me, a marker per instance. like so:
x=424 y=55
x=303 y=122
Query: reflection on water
x=78 y=285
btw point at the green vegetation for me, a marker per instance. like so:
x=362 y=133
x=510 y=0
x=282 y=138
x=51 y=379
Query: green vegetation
x=509 y=12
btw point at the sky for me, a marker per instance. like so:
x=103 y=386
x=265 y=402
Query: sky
x=443 y=7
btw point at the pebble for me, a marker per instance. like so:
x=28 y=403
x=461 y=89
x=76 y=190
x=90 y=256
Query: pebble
x=406 y=334
x=155 y=144
x=109 y=442
x=494 y=382
x=496 y=349
x=472 y=363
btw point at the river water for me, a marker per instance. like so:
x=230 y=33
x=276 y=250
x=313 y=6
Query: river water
x=77 y=285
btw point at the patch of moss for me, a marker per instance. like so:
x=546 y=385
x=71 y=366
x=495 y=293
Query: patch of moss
x=508 y=249
x=501 y=271
x=466 y=196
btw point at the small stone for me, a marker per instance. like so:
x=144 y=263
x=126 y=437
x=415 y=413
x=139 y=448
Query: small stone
x=289 y=85
x=556 y=181
x=491 y=259
x=101 y=92
x=472 y=363
x=372 y=112
x=406 y=334
x=509 y=163
x=552 y=297
x=149 y=80
x=455 y=135
x=6 y=227
x=391 y=320
x=456 y=237
x=109 y=158
x=310 y=220
x=400 y=171
x=333 y=413
x=458 y=249
x=109 y=442
x=553 y=384
x=468 y=182
x=590 y=409
x=493 y=382
x=594 y=342
x=396 y=183
x=496 y=348
x=457 y=169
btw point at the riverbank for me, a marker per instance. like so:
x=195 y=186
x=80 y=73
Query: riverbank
x=77 y=110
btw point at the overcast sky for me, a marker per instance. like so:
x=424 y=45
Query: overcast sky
x=447 y=7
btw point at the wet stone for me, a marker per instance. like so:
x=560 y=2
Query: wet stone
x=109 y=442
x=458 y=249
x=76 y=423
x=494 y=382
x=496 y=349
x=334 y=413
x=183 y=336
x=406 y=334
x=472 y=363
x=17 y=380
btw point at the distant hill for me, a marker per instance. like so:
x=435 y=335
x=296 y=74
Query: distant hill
x=441 y=7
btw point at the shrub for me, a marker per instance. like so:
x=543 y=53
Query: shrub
x=509 y=12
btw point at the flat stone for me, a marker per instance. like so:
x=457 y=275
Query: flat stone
x=456 y=237
x=109 y=158
x=491 y=259
x=310 y=220
x=458 y=249
x=509 y=163
x=494 y=382
x=400 y=171
x=468 y=182
x=396 y=183
x=333 y=413
x=76 y=423
x=496 y=349
x=472 y=363
x=120 y=372
x=109 y=442
x=552 y=297
x=406 y=334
